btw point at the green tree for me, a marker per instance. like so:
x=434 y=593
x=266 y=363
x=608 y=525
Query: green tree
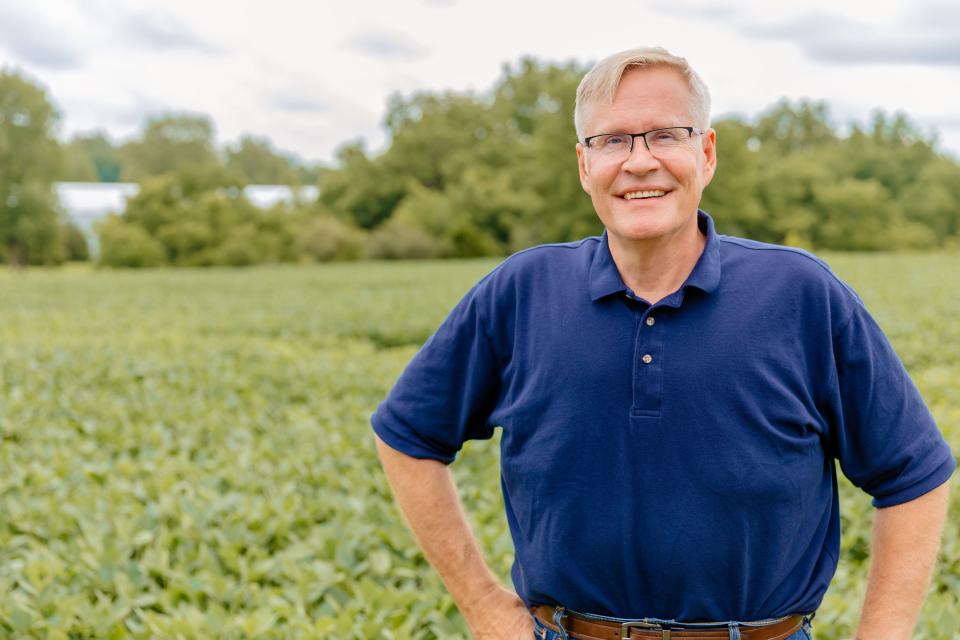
x=200 y=218
x=123 y=244
x=502 y=164
x=533 y=107
x=91 y=158
x=933 y=199
x=893 y=151
x=792 y=128
x=434 y=138
x=190 y=212
x=324 y=237
x=362 y=190
x=255 y=161
x=174 y=142
x=30 y=227
x=492 y=172
x=75 y=243
x=76 y=165
x=731 y=196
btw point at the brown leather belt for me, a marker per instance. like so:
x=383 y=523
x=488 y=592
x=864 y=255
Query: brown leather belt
x=580 y=628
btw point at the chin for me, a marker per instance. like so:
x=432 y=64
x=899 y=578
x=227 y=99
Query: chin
x=645 y=230
x=648 y=224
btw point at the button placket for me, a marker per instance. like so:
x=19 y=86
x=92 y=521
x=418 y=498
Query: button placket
x=648 y=366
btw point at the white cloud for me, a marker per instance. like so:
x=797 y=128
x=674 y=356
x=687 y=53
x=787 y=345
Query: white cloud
x=385 y=43
x=34 y=38
x=311 y=76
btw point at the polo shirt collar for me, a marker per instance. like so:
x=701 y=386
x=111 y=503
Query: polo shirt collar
x=605 y=279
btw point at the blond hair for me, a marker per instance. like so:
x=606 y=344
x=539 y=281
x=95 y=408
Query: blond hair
x=601 y=82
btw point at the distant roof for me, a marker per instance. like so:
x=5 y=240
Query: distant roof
x=88 y=201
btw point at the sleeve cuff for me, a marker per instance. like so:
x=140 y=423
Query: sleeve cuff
x=401 y=442
x=933 y=480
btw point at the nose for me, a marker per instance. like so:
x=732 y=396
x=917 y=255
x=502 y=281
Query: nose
x=640 y=159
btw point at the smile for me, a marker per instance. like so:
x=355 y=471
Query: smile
x=634 y=195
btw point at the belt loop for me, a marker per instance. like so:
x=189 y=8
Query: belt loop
x=558 y=616
x=734 y=630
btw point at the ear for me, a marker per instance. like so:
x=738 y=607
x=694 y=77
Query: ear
x=582 y=165
x=709 y=155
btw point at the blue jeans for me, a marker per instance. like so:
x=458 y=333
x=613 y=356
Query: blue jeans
x=805 y=632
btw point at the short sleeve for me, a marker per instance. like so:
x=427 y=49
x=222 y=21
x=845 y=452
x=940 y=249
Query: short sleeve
x=884 y=436
x=447 y=392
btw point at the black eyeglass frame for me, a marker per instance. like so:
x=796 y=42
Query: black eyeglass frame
x=633 y=136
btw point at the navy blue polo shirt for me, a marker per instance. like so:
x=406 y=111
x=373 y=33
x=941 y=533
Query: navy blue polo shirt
x=673 y=460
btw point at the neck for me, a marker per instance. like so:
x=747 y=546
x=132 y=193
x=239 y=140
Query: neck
x=655 y=268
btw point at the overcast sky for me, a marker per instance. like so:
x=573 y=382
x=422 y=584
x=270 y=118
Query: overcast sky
x=312 y=75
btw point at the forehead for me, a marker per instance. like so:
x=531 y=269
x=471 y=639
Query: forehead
x=646 y=98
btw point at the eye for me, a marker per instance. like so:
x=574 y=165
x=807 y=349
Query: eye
x=667 y=136
x=615 y=140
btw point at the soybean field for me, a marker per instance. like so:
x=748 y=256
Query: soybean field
x=187 y=453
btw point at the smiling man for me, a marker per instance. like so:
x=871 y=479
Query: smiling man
x=673 y=402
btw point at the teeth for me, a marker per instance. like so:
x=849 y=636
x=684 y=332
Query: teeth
x=643 y=194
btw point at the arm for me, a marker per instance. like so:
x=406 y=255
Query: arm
x=428 y=497
x=906 y=538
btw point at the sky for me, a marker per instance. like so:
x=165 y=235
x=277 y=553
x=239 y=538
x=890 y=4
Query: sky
x=311 y=76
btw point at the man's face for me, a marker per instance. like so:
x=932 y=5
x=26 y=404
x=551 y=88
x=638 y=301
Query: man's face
x=647 y=98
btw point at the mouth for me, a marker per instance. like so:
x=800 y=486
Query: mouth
x=651 y=194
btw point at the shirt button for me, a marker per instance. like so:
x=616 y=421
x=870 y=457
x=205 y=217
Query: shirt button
x=650 y=321
x=647 y=358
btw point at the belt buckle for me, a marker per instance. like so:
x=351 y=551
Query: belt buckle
x=626 y=626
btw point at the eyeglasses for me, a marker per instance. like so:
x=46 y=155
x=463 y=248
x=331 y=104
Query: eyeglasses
x=661 y=143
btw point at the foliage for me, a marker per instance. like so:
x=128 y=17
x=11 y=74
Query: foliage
x=365 y=192
x=254 y=161
x=791 y=179
x=75 y=243
x=91 y=158
x=77 y=165
x=170 y=143
x=175 y=143
x=480 y=174
x=201 y=218
x=492 y=172
x=127 y=245
x=397 y=241
x=188 y=453
x=30 y=227
x=501 y=166
x=323 y=238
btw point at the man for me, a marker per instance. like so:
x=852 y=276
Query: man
x=672 y=402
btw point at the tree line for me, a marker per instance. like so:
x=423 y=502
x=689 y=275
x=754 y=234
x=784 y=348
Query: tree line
x=173 y=142
x=464 y=174
x=495 y=172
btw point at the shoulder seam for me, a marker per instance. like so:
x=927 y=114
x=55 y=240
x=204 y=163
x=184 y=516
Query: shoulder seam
x=554 y=245
x=576 y=244
x=798 y=252
x=559 y=245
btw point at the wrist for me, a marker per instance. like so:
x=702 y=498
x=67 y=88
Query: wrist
x=492 y=595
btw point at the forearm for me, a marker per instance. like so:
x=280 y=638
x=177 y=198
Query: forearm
x=906 y=539
x=428 y=498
